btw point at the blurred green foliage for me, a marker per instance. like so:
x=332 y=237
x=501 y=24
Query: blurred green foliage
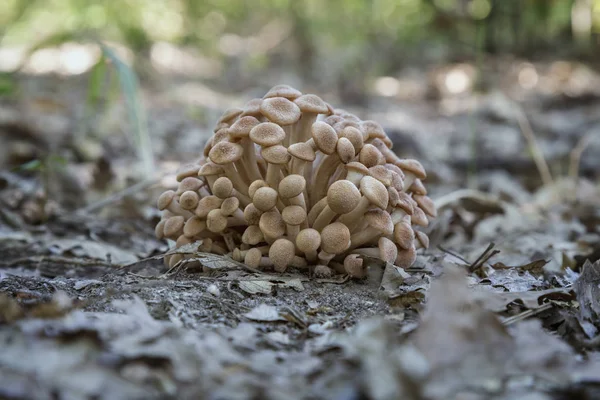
x=387 y=31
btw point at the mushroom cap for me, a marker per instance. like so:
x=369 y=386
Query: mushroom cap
x=165 y=199
x=293 y=215
x=303 y=151
x=252 y=235
x=311 y=103
x=216 y=221
x=426 y=204
x=206 y=204
x=242 y=127
x=225 y=153
x=374 y=191
x=397 y=181
x=380 y=220
x=335 y=238
x=291 y=186
x=194 y=226
x=370 y=156
x=252 y=108
x=343 y=124
x=271 y=224
x=333 y=119
x=265 y=198
x=210 y=169
x=387 y=250
x=280 y=110
x=222 y=187
x=222 y=135
x=190 y=183
x=419 y=218
x=345 y=150
x=342 y=197
x=173 y=226
x=417 y=187
x=354 y=135
x=189 y=200
x=159 y=229
x=406 y=258
x=353 y=265
x=229 y=114
x=395 y=168
x=252 y=214
x=412 y=166
x=308 y=240
x=229 y=206
x=422 y=238
x=394 y=196
x=357 y=167
x=382 y=174
x=283 y=91
x=281 y=254
x=404 y=202
x=254 y=186
x=276 y=154
x=324 y=136
x=267 y=134
x=253 y=257
x=372 y=129
x=403 y=234
x=187 y=170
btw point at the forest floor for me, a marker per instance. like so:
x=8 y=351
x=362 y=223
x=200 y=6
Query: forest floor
x=504 y=304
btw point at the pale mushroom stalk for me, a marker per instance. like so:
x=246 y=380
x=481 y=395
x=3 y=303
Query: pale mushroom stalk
x=232 y=173
x=249 y=159
x=317 y=209
x=364 y=236
x=322 y=175
x=352 y=219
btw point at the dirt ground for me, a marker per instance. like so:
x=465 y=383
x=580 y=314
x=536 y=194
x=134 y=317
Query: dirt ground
x=504 y=304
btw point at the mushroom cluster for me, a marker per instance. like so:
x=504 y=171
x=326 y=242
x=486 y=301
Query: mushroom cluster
x=287 y=181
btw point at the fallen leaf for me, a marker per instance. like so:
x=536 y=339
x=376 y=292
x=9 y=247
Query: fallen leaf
x=265 y=313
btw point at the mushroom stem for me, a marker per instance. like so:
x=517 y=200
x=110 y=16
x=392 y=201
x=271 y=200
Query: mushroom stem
x=409 y=178
x=316 y=210
x=233 y=175
x=324 y=218
x=321 y=178
x=273 y=176
x=302 y=130
x=366 y=251
x=363 y=236
x=249 y=159
x=352 y=218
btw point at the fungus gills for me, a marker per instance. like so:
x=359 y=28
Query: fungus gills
x=288 y=181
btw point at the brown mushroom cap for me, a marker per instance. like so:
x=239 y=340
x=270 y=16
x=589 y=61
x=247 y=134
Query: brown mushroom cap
x=406 y=258
x=311 y=103
x=210 y=169
x=229 y=206
x=253 y=257
x=281 y=253
x=342 y=197
x=252 y=108
x=369 y=156
x=267 y=134
x=382 y=174
x=194 y=226
x=308 y=240
x=253 y=235
x=222 y=187
x=254 y=186
x=422 y=238
x=283 y=91
x=206 y=204
x=242 y=127
x=174 y=226
x=277 y=154
x=324 y=136
x=225 y=153
x=412 y=166
x=345 y=150
x=404 y=202
x=426 y=204
x=293 y=215
x=252 y=214
x=165 y=199
x=265 y=198
x=403 y=234
x=216 y=221
x=354 y=135
x=229 y=114
x=187 y=170
x=280 y=110
x=222 y=135
x=189 y=200
x=302 y=151
x=374 y=191
x=159 y=229
x=335 y=238
x=190 y=183
x=372 y=129
x=271 y=224
x=417 y=187
x=387 y=250
x=419 y=218
x=353 y=265
x=380 y=220
x=291 y=186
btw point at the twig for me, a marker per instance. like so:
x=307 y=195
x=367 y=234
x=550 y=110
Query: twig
x=575 y=156
x=536 y=152
x=526 y=314
x=444 y=250
x=482 y=259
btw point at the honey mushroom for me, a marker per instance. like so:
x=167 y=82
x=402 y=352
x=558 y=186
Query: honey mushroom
x=287 y=181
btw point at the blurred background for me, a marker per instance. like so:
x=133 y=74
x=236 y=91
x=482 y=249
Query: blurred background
x=97 y=96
